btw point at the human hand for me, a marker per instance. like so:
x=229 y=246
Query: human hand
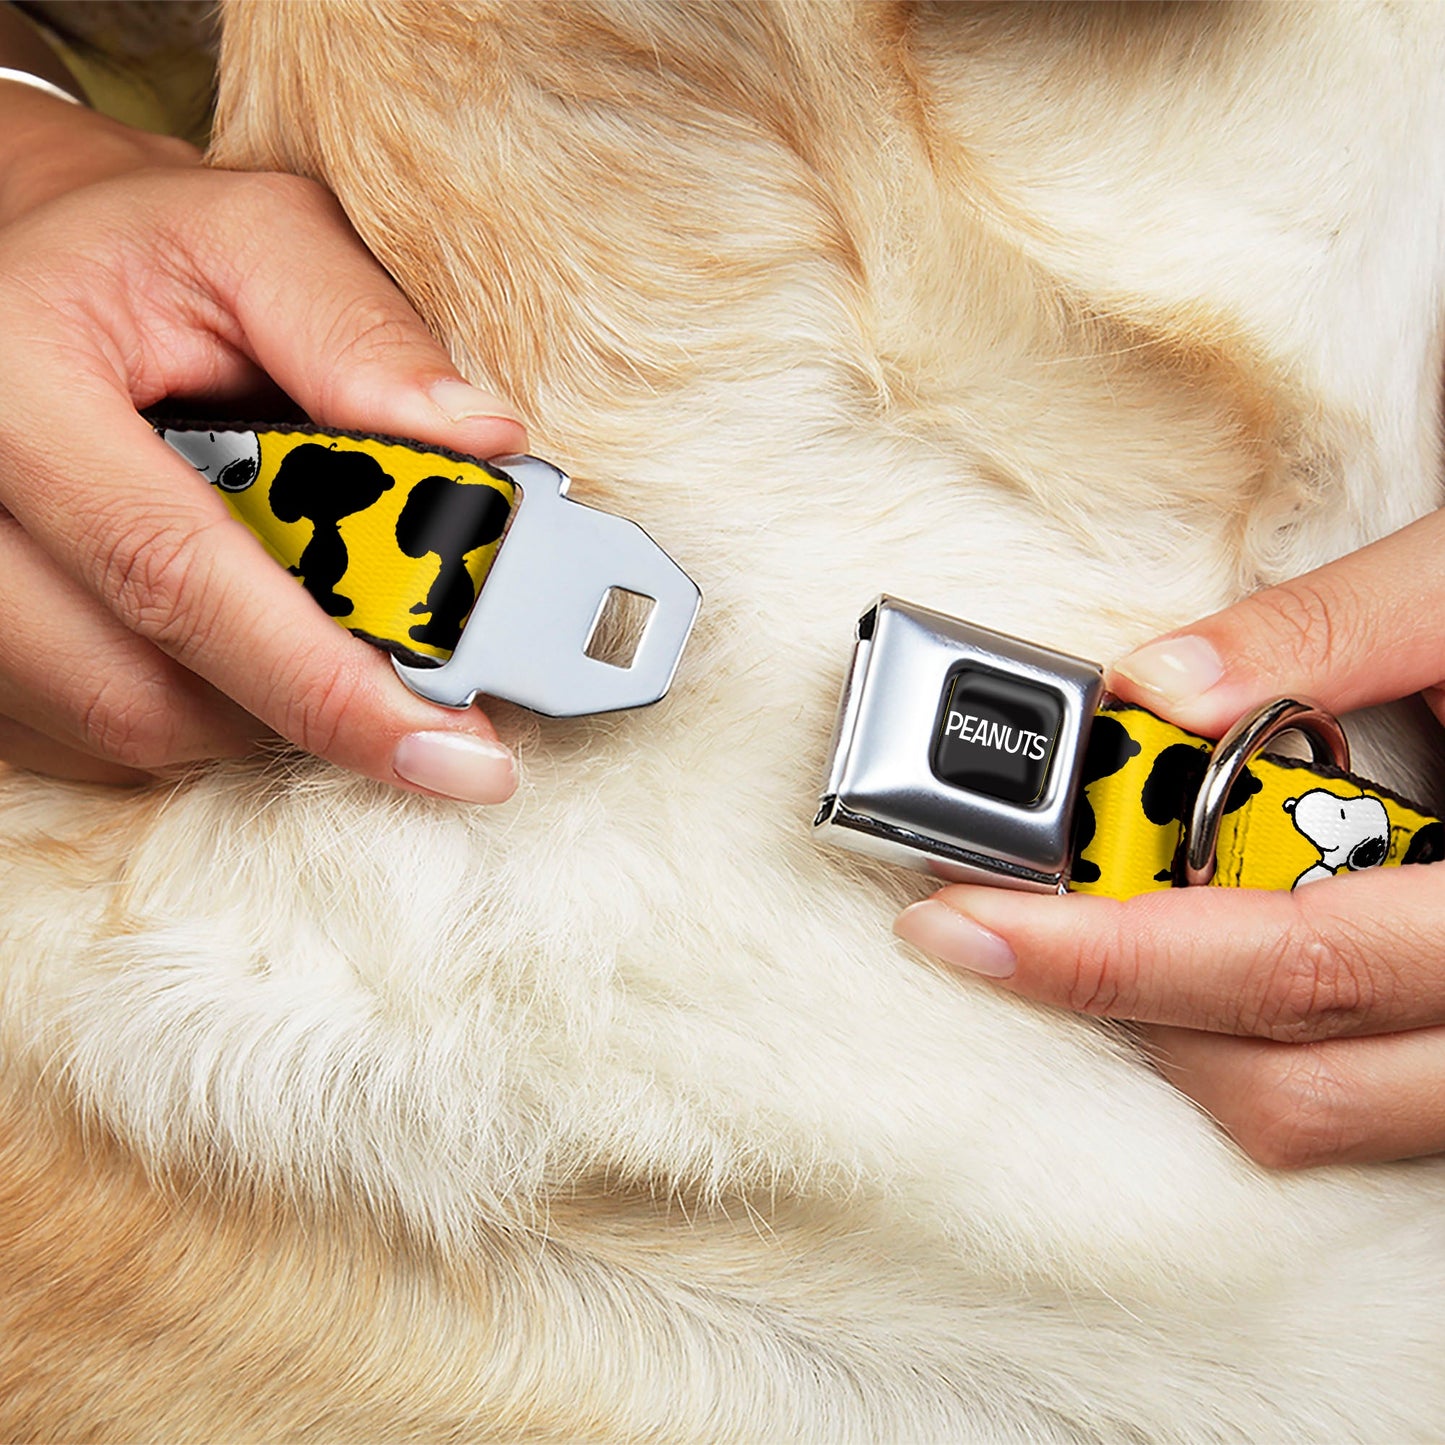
x=140 y=626
x=51 y=148
x=1310 y=1024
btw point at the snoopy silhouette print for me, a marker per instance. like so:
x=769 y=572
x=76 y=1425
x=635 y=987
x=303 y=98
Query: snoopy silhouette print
x=1351 y=833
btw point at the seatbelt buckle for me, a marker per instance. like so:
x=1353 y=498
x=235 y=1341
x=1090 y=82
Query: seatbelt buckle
x=958 y=750
x=527 y=638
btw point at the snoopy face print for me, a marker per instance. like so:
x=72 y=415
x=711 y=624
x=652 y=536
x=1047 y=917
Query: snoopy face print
x=230 y=460
x=1350 y=833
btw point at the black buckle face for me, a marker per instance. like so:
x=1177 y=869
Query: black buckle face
x=996 y=735
x=959 y=750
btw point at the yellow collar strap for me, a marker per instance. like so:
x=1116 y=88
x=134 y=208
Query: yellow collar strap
x=959 y=750
x=978 y=757
x=396 y=540
x=1284 y=822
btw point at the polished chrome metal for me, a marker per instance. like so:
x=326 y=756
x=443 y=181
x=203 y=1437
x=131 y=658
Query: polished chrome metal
x=882 y=796
x=526 y=638
x=1231 y=756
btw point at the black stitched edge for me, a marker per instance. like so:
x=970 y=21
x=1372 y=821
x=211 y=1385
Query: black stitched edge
x=170 y=423
x=398 y=650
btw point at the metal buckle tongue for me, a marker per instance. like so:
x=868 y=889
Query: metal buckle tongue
x=526 y=638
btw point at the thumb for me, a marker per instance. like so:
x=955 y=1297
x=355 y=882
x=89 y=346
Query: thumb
x=1362 y=630
x=322 y=318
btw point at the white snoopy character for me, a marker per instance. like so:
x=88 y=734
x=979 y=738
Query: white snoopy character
x=1351 y=833
x=230 y=460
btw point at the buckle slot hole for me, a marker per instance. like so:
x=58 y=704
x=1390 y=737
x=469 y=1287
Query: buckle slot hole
x=619 y=626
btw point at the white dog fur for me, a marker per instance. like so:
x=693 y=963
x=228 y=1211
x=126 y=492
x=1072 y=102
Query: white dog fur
x=616 y=1111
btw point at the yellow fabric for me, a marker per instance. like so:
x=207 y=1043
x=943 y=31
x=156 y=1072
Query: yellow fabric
x=388 y=589
x=1271 y=841
x=1129 y=850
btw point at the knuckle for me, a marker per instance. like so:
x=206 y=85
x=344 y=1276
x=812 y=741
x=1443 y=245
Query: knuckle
x=1304 y=619
x=257 y=212
x=371 y=330
x=1101 y=974
x=1299 y=1115
x=130 y=721
x=156 y=583
x=314 y=711
x=365 y=338
x=1311 y=987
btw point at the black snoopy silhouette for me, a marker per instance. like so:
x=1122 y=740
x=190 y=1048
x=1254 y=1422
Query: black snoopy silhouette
x=323 y=485
x=1110 y=747
x=449 y=517
x=1168 y=792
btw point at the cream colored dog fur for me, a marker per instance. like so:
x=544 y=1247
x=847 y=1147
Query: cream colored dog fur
x=616 y=1112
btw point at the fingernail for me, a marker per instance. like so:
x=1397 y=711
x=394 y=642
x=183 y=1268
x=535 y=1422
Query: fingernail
x=1177 y=670
x=460 y=402
x=457 y=766
x=953 y=939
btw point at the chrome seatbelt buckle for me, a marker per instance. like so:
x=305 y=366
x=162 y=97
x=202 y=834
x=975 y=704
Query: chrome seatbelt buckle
x=528 y=636
x=958 y=751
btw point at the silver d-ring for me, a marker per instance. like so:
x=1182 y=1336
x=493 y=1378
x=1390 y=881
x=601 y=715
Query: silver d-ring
x=1231 y=756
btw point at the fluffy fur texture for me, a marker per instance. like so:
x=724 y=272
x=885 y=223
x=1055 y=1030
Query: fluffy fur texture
x=616 y=1112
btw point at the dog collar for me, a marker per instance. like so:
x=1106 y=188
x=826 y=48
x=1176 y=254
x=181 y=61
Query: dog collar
x=980 y=758
x=477 y=577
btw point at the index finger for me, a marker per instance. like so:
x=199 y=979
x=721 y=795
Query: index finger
x=1357 y=954
x=330 y=327
x=1361 y=630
